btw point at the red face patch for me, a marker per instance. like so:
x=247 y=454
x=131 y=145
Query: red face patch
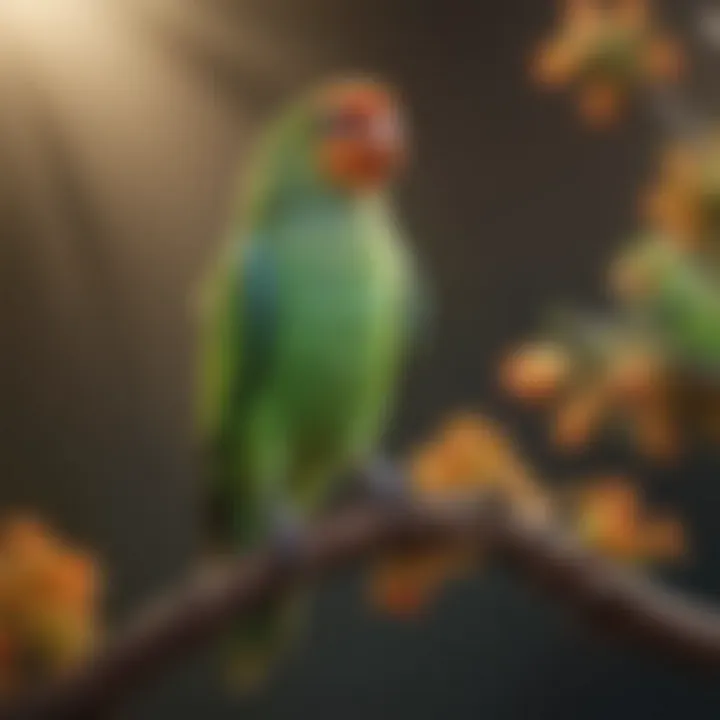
x=362 y=143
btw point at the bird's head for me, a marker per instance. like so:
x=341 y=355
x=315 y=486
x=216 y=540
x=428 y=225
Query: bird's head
x=346 y=137
x=360 y=138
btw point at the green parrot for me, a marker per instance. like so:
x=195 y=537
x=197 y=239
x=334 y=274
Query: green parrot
x=307 y=319
x=673 y=296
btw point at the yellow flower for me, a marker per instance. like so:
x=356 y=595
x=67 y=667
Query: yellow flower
x=49 y=595
x=609 y=516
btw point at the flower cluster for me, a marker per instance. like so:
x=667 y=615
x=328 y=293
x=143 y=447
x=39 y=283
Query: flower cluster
x=609 y=516
x=606 y=50
x=651 y=373
x=467 y=457
x=471 y=455
x=48 y=604
x=618 y=382
x=683 y=203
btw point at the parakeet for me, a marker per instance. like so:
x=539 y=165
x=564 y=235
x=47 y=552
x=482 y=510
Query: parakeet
x=307 y=319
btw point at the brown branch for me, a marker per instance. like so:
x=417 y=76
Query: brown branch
x=612 y=599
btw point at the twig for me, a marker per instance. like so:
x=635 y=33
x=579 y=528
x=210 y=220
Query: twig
x=610 y=598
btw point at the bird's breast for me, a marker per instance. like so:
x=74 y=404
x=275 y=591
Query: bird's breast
x=341 y=326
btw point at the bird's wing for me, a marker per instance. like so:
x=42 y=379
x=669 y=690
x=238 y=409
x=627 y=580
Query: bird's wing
x=238 y=331
x=257 y=309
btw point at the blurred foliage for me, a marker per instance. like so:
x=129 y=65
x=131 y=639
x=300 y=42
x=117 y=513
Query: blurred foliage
x=471 y=456
x=465 y=459
x=683 y=202
x=49 y=593
x=650 y=373
x=604 y=50
x=609 y=515
x=624 y=386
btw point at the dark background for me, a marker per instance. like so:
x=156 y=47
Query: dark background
x=122 y=124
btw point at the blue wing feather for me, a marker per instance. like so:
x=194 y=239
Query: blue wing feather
x=247 y=315
x=256 y=306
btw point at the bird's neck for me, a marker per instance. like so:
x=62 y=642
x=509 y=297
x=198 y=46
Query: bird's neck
x=318 y=202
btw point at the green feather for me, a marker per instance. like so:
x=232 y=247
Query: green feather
x=305 y=332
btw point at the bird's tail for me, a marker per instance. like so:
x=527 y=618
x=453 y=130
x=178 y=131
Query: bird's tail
x=258 y=644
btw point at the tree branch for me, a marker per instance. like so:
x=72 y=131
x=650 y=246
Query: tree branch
x=610 y=598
